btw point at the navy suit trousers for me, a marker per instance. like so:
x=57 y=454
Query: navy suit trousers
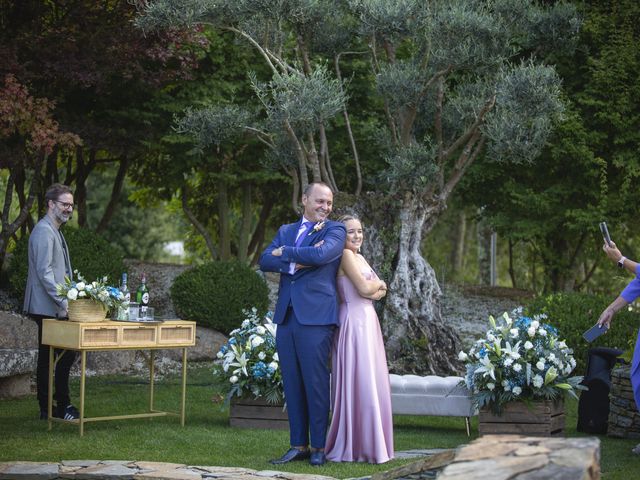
x=304 y=352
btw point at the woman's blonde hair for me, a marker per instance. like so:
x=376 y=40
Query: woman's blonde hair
x=346 y=218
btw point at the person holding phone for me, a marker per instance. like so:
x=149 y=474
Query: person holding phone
x=628 y=295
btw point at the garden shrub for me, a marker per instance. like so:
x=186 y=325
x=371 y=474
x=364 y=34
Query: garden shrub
x=216 y=294
x=90 y=254
x=573 y=313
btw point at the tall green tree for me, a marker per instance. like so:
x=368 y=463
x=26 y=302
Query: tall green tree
x=208 y=163
x=455 y=79
x=101 y=73
x=587 y=172
x=29 y=134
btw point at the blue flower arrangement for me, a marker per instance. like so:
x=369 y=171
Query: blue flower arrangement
x=520 y=359
x=248 y=364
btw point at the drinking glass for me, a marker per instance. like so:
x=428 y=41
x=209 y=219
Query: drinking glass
x=134 y=308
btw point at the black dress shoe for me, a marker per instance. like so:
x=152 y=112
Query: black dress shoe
x=292 y=455
x=317 y=458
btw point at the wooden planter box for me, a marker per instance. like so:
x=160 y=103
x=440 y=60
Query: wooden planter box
x=540 y=419
x=257 y=413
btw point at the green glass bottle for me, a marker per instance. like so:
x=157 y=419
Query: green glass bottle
x=142 y=295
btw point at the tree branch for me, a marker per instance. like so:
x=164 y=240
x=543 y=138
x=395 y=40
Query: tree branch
x=466 y=158
x=302 y=161
x=197 y=224
x=261 y=136
x=116 y=190
x=347 y=121
x=488 y=106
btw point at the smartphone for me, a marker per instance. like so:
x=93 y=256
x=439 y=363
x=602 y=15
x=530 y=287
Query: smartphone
x=594 y=332
x=605 y=233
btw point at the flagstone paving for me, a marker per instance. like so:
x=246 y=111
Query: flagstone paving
x=132 y=470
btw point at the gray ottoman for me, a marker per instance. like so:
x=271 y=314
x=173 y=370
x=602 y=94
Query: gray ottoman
x=431 y=395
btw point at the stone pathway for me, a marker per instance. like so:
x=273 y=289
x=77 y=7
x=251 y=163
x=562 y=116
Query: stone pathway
x=496 y=457
x=131 y=470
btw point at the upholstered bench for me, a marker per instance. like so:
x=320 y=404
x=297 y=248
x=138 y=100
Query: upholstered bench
x=431 y=395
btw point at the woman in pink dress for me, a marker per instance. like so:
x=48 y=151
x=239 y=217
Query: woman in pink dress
x=362 y=425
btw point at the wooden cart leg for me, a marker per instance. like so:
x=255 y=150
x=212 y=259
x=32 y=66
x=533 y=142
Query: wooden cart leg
x=151 y=378
x=184 y=386
x=83 y=371
x=50 y=389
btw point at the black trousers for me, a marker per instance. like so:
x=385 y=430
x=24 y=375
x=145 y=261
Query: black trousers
x=61 y=374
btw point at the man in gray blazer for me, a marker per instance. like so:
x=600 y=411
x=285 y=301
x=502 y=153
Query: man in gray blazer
x=48 y=264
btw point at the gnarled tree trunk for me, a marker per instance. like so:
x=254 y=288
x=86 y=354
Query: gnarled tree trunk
x=416 y=339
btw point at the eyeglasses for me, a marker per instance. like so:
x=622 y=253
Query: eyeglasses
x=65 y=205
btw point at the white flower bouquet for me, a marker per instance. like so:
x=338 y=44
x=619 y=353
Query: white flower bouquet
x=248 y=363
x=520 y=359
x=98 y=291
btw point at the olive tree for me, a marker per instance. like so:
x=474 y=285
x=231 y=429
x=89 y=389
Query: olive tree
x=455 y=81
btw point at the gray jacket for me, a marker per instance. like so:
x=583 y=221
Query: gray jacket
x=47 y=267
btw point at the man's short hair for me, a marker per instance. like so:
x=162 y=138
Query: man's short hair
x=55 y=190
x=309 y=187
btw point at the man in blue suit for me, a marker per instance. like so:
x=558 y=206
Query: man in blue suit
x=307 y=255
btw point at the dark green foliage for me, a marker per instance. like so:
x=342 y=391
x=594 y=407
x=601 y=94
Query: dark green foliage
x=216 y=294
x=90 y=254
x=573 y=313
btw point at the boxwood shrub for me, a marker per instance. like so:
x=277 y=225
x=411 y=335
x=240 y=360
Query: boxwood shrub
x=573 y=313
x=90 y=254
x=215 y=294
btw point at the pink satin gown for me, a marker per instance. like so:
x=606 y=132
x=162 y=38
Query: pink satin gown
x=362 y=424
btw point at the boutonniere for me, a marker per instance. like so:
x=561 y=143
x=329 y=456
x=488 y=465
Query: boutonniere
x=316 y=228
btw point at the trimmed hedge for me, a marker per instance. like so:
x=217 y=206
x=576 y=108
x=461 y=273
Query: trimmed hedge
x=573 y=313
x=215 y=294
x=90 y=254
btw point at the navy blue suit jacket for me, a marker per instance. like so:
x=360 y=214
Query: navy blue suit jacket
x=312 y=290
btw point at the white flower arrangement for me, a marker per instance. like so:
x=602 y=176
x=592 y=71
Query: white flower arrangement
x=519 y=360
x=98 y=291
x=248 y=364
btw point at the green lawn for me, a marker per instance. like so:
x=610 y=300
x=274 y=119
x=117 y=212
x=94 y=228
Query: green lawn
x=207 y=439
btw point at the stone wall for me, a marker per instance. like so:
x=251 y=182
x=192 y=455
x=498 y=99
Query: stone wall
x=624 y=418
x=160 y=277
x=467 y=308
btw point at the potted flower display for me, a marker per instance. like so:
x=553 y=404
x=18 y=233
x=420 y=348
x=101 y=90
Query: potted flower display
x=518 y=375
x=248 y=374
x=89 y=301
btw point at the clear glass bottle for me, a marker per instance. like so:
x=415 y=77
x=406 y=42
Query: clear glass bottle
x=123 y=310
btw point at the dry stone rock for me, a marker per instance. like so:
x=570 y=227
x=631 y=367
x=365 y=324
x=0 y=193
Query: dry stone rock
x=230 y=471
x=17 y=331
x=16 y=368
x=158 y=465
x=29 y=471
x=108 y=470
x=467 y=308
x=208 y=342
x=624 y=418
x=503 y=457
x=160 y=277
